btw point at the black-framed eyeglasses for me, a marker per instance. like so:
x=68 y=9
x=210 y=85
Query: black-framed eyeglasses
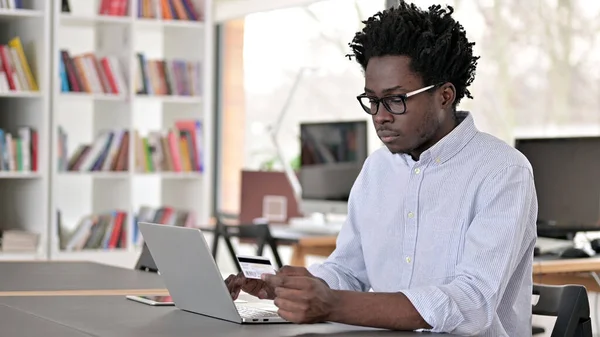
x=395 y=104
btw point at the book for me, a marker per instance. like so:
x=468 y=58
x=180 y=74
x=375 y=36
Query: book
x=91 y=74
x=15 y=73
x=19 y=150
x=65 y=6
x=168 y=10
x=173 y=77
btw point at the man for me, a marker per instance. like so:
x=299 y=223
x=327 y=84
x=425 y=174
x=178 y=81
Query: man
x=441 y=221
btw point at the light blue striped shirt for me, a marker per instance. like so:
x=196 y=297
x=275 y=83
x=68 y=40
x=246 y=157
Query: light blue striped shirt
x=454 y=231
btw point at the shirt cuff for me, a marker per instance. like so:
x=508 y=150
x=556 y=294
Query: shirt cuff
x=317 y=270
x=435 y=308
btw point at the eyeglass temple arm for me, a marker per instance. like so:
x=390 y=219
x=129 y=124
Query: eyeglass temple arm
x=418 y=91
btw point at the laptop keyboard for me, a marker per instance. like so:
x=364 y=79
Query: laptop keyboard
x=250 y=312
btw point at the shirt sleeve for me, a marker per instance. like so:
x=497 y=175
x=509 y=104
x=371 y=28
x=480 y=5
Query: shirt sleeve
x=500 y=236
x=345 y=268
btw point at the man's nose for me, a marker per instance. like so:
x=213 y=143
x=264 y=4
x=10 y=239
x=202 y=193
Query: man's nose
x=383 y=115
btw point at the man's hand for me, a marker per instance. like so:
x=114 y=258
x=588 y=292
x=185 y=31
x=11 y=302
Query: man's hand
x=301 y=297
x=258 y=288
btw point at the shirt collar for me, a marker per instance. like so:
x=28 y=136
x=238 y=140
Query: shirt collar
x=451 y=144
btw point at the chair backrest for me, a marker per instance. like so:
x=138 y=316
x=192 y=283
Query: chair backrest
x=228 y=226
x=570 y=305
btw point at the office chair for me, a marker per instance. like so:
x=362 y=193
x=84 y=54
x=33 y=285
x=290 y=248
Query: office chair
x=569 y=303
x=257 y=233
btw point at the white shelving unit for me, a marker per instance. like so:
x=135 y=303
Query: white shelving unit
x=83 y=116
x=30 y=200
x=24 y=194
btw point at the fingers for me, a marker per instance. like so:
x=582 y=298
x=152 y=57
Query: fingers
x=236 y=294
x=294 y=271
x=251 y=286
x=263 y=294
x=291 y=294
x=234 y=284
x=229 y=283
x=291 y=282
x=290 y=305
x=289 y=316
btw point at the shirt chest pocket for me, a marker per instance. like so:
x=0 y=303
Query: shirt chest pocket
x=439 y=244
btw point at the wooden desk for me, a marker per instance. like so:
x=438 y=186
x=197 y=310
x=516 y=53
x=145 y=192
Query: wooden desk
x=584 y=271
x=303 y=244
x=568 y=271
x=321 y=246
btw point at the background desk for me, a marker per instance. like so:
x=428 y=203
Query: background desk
x=304 y=244
x=558 y=271
x=112 y=316
x=74 y=278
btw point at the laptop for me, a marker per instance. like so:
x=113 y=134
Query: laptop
x=192 y=277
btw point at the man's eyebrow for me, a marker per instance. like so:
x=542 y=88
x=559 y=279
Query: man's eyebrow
x=385 y=91
x=388 y=90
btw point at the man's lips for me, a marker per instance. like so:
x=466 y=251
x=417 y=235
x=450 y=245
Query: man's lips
x=387 y=135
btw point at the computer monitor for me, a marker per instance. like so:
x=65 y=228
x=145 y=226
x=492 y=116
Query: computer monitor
x=331 y=157
x=567 y=180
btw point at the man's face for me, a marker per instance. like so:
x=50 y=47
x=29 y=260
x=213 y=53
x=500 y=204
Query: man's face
x=413 y=131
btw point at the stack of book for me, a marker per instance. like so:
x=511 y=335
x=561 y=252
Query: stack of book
x=18 y=241
x=165 y=215
x=103 y=231
x=176 y=150
x=19 y=154
x=90 y=74
x=167 y=77
x=15 y=74
x=168 y=10
x=108 y=152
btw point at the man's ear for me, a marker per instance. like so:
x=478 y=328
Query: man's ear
x=447 y=95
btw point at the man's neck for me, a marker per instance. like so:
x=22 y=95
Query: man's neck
x=442 y=132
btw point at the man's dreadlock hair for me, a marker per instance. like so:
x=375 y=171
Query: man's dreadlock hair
x=435 y=43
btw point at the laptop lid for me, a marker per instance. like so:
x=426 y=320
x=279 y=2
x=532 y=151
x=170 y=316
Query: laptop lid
x=189 y=270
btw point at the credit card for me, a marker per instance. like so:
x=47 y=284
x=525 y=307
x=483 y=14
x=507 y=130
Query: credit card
x=254 y=266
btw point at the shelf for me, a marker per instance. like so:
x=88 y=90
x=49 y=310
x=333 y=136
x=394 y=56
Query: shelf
x=171 y=175
x=93 y=96
x=7 y=15
x=21 y=94
x=83 y=20
x=97 y=175
x=19 y=175
x=172 y=99
x=26 y=256
x=158 y=23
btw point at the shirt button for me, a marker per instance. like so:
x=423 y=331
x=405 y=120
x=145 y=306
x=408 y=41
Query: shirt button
x=417 y=170
x=408 y=259
x=411 y=215
x=437 y=160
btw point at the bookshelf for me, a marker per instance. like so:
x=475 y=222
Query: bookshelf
x=24 y=128
x=53 y=196
x=140 y=111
